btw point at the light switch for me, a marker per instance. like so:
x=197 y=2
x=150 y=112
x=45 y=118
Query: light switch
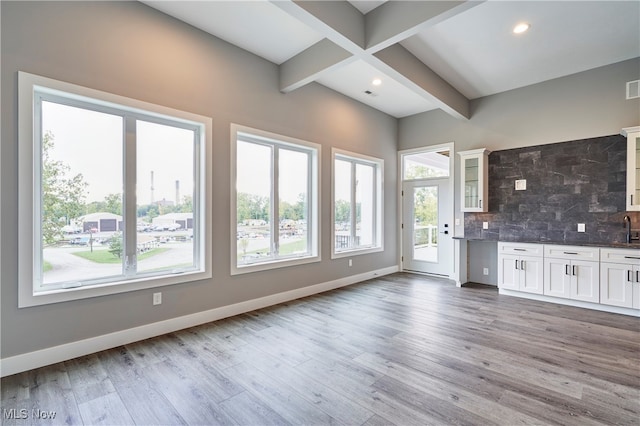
x=521 y=185
x=485 y=225
x=581 y=227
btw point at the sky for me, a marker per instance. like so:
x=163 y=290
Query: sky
x=91 y=143
x=254 y=171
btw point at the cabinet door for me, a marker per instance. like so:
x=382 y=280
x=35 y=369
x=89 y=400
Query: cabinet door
x=616 y=286
x=474 y=175
x=585 y=284
x=633 y=170
x=472 y=183
x=508 y=275
x=557 y=278
x=636 y=287
x=531 y=274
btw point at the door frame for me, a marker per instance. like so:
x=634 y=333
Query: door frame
x=450 y=146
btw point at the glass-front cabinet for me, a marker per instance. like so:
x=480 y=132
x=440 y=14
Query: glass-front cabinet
x=633 y=167
x=474 y=180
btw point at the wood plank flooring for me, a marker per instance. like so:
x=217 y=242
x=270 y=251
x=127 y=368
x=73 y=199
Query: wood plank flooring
x=398 y=350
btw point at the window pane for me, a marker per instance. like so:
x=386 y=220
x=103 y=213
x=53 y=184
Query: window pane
x=293 y=190
x=365 y=205
x=342 y=194
x=165 y=192
x=81 y=188
x=426 y=165
x=253 y=185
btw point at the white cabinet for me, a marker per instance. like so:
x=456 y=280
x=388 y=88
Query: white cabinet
x=633 y=167
x=572 y=272
x=474 y=177
x=520 y=267
x=620 y=278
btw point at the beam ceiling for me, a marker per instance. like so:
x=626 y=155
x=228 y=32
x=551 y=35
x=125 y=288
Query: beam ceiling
x=373 y=38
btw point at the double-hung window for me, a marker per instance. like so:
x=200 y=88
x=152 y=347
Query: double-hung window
x=357 y=203
x=112 y=193
x=274 y=212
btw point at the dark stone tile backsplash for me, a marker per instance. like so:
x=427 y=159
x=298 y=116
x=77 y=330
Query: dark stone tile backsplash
x=568 y=183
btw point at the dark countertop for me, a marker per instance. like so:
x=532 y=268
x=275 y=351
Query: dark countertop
x=635 y=245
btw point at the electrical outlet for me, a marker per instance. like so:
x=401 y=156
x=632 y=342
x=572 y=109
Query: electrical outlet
x=457 y=222
x=581 y=227
x=485 y=225
x=485 y=271
x=350 y=263
x=157 y=299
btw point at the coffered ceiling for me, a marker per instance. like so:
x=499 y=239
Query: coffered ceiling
x=427 y=54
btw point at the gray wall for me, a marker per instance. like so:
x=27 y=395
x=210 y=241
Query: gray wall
x=580 y=106
x=129 y=49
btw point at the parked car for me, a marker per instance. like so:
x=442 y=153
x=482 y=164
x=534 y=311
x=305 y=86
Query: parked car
x=173 y=227
x=71 y=229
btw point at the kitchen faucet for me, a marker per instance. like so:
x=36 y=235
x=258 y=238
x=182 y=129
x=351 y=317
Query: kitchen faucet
x=627 y=222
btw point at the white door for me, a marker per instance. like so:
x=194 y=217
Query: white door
x=427 y=228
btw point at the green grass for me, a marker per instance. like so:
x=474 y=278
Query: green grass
x=46 y=266
x=103 y=256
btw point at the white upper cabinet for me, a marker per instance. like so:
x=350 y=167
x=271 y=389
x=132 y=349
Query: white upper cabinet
x=633 y=167
x=474 y=180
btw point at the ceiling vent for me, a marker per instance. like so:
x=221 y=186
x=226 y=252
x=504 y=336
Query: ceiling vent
x=633 y=89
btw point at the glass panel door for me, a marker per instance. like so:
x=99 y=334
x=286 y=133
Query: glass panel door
x=427 y=230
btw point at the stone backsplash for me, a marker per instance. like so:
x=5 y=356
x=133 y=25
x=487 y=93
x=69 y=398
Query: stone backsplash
x=581 y=181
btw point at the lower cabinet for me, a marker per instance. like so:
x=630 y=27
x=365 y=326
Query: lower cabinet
x=572 y=272
x=520 y=267
x=597 y=275
x=620 y=278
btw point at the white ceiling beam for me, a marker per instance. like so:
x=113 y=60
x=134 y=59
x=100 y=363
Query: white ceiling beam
x=308 y=65
x=394 y=21
x=338 y=21
x=343 y=26
x=399 y=64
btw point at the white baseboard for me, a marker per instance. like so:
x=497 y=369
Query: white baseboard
x=55 y=354
x=569 y=302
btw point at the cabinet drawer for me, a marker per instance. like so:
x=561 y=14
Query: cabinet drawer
x=616 y=255
x=526 y=249
x=572 y=252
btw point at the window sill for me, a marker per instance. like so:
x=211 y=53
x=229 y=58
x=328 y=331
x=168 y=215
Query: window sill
x=29 y=298
x=356 y=252
x=274 y=264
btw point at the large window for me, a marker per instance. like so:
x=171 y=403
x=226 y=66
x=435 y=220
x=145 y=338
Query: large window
x=357 y=203
x=275 y=204
x=111 y=193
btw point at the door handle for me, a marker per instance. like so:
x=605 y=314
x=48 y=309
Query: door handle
x=573 y=269
x=566 y=270
x=629 y=276
x=516 y=264
x=522 y=265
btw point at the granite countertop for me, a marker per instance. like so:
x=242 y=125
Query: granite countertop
x=634 y=245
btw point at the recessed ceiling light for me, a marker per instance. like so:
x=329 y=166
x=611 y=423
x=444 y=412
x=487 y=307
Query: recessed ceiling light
x=521 y=28
x=376 y=82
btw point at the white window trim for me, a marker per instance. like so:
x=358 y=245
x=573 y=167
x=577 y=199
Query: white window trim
x=27 y=226
x=364 y=159
x=313 y=222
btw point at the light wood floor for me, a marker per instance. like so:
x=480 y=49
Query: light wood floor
x=402 y=349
